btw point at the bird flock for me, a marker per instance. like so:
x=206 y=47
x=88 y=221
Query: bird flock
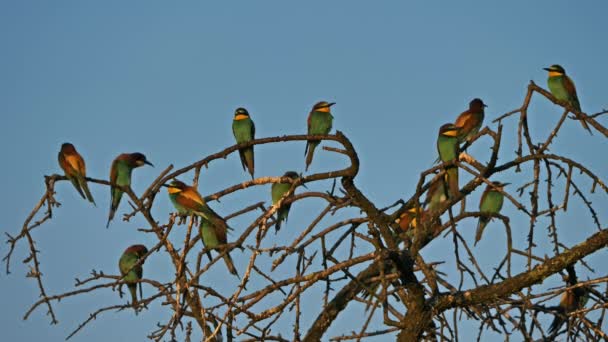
x=452 y=139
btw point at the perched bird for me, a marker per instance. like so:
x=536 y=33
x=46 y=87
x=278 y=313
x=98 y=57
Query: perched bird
x=491 y=203
x=277 y=192
x=471 y=120
x=319 y=122
x=131 y=274
x=120 y=174
x=213 y=228
x=75 y=170
x=562 y=87
x=436 y=194
x=571 y=300
x=244 y=131
x=408 y=221
x=447 y=146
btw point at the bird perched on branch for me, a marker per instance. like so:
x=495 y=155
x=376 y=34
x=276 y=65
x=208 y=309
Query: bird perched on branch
x=120 y=174
x=471 y=120
x=243 y=129
x=562 y=87
x=72 y=163
x=277 y=192
x=490 y=203
x=319 y=122
x=131 y=274
x=436 y=194
x=447 y=146
x=571 y=300
x=213 y=228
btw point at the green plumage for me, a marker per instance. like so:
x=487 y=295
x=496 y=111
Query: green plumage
x=120 y=174
x=319 y=123
x=131 y=274
x=562 y=87
x=447 y=146
x=277 y=192
x=490 y=203
x=211 y=239
x=557 y=86
x=243 y=129
x=436 y=195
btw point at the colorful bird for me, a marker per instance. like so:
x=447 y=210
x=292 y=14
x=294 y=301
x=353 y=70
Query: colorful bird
x=244 y=131
x=75 y=170
x=408 y=220
x=471 y=120
x=319 y=122
x=120 y=174
x=562 y=87
x=131 y=274
x=213 y=228
x=571 y=300
x=436 y=194
x=491 y=203
x=447 y=146
x=277 y=192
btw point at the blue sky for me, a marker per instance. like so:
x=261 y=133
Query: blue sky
x=164 y=80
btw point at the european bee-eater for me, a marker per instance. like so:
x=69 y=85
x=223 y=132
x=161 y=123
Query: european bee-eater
x=244 y=131
x=277 y=192
x=436 y=194
x=120 y=174
x=213 y=228
x=490 y=203
x=319 y=122
x=75 y=170
x=571 y=300
x=131 y=274
x=562 y=87
x=471 y=120
x=447 y=146
x=408 y=221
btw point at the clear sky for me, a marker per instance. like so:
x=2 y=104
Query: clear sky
x=164 y=79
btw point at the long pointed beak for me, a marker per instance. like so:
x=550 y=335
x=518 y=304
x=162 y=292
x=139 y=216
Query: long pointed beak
x=331 y=104
x=147 y=162
x=505 y=184
x=304 y=186
x=548 y=69
x=166 y=185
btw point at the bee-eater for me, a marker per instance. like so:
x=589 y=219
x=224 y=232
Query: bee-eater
x=213 y=228
x=277 y=192
x=447 y=146
x=436 y=194
x=244 y=131
x=470 y=121
x=490 y=203
x=120 y=174
x=571 y=300
x=408 y=221
x=319 y=122
x=75 y=170
x=131 y=274
x=562 y=87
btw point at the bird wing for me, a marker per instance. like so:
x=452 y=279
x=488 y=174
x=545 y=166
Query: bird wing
x=191 y=199
x=309 y=121
x=114 y=171
x=483 y=196
x=462 y=119
x=569 y=85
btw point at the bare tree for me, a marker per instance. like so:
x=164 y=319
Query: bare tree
x=364 y=260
